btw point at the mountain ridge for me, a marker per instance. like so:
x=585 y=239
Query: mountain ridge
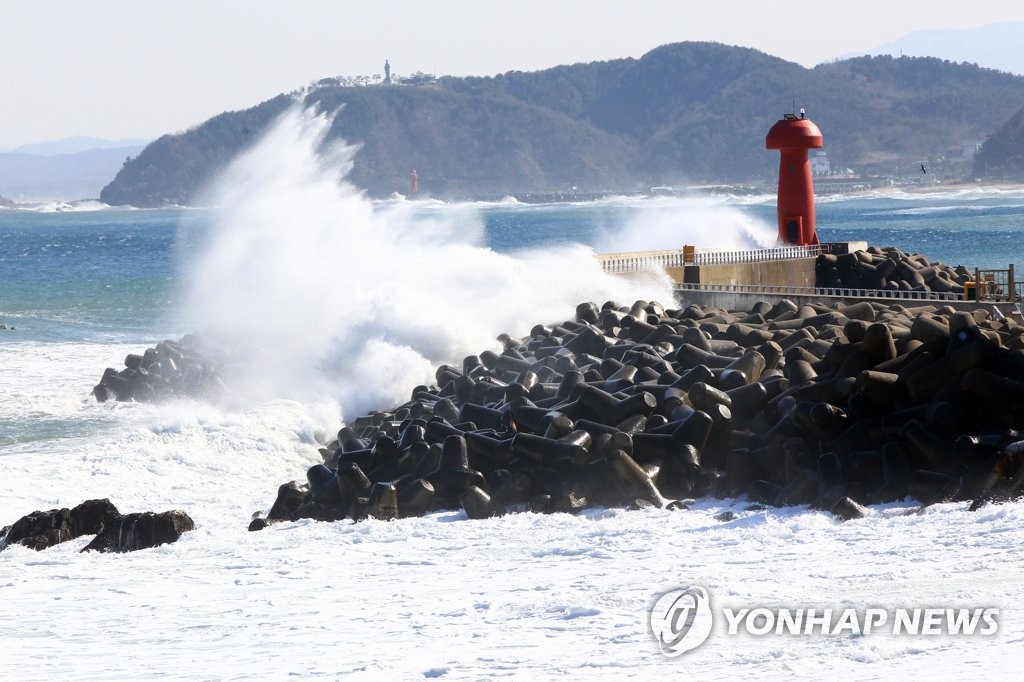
x=28 y=177
x=693 y=111
x=75 y=144
x=983 y=45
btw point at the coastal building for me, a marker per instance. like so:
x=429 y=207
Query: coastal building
x=970 y=148
x=819 y=162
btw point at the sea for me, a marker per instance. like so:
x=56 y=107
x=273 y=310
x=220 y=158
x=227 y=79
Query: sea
x=334 y=304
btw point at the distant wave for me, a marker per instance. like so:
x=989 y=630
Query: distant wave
x=936 y=210
x=610 y=201
x=739 y=199
x=78 y=206
x=929 y=194
x=752 y=199
x=398 y=198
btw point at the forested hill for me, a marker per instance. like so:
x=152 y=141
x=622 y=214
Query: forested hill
x=686 y=112
x=1002 y=156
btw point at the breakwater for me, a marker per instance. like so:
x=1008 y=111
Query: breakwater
x=834 y=407
x=833 y=401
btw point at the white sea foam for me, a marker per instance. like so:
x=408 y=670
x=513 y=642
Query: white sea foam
x=59 y=446
x=525 y=596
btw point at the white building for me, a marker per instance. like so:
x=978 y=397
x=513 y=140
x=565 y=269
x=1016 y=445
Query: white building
x=971 y=148
x=819 y=162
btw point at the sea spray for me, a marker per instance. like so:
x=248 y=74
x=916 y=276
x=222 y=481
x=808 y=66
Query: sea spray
x=702 y=221
x=318 y=293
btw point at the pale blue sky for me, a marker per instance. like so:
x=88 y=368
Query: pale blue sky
x=136 y=68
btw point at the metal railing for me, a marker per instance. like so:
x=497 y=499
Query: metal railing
x=677 y=258
x=756 y=255
x=836 y=292
x=988 y=285
x=616 y=263
x=996 y=285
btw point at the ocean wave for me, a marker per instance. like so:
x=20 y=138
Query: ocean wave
x=605 y=201
x=356 y=299
x=80 y=206
x=935 y=210
x=925 y=195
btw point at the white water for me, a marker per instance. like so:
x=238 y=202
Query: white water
x=319 y=294
x=78 y=206
x=524 y=596
x=521 y=597
x=708 y=222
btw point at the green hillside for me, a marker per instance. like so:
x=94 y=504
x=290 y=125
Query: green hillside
x=686 y=112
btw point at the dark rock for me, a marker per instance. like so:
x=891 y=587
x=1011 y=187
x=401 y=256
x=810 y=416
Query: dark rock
x=133 y=532
x=42 y=529
x=189 y=366
x=290 y=497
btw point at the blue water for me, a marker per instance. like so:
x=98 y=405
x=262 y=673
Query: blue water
x=116 y=275
x=87 y=275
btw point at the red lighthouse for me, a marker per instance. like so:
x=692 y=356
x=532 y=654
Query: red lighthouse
x=793 y=136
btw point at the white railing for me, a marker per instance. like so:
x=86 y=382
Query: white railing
x=756 y=255
x=677 y=258
x=641 y=260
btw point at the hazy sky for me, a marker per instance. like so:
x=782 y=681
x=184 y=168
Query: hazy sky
x=140 y=68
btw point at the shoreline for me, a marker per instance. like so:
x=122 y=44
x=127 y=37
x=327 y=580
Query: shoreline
x=561 y=196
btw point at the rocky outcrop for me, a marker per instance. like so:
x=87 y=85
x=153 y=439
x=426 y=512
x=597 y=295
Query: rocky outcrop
x=42 y=529
x=187 y=367
x=114 y=532
x=137 y=531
